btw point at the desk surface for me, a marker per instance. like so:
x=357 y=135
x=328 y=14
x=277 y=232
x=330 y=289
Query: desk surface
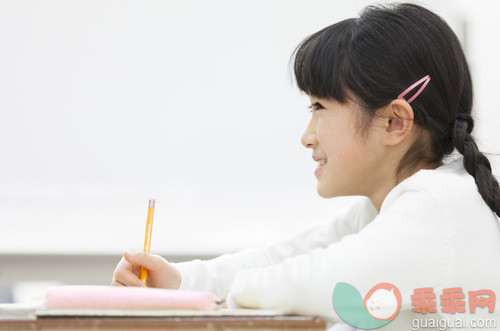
x=169 y=323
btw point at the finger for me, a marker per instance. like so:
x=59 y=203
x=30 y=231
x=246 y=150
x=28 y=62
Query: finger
x=126 y=275
x=127 y=278
x=122 y=265
x=126 y=265
x=151 y=262
x=114 y=282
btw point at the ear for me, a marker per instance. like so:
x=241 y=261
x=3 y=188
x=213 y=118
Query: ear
x=398 y=123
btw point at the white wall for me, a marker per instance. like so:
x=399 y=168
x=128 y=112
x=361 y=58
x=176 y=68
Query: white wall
x=105 y=104
x=483 y=52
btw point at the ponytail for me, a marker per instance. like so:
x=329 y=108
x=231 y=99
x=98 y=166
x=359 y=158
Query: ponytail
x=475 y=162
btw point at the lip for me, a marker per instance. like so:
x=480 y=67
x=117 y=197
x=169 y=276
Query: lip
x=320 y=167
x=316 y=159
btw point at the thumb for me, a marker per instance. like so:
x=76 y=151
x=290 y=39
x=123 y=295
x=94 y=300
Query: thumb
x=146 y=260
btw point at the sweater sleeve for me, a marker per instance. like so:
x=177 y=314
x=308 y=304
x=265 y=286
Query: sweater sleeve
x=398 y=247
x=217 y=275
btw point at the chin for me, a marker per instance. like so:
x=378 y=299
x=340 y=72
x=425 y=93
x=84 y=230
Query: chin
x=325 y=193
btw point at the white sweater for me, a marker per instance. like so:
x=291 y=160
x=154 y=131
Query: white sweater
x=433 y=230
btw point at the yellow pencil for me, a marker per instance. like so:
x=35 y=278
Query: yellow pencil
x=147 y=238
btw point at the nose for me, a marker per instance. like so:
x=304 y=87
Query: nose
x=309 y=139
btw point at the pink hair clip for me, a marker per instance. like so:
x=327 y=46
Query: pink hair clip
x=424 y=80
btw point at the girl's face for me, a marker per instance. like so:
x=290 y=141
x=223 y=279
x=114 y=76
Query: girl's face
x=348 y=164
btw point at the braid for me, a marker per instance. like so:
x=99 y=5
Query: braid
x=475 y=162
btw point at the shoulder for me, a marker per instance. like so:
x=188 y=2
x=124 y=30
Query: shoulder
x=444 y=200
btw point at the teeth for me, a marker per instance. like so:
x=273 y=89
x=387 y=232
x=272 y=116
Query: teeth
x=321 y=162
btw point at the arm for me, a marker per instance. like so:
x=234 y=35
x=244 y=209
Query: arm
x=397 y=247
x=217 y=275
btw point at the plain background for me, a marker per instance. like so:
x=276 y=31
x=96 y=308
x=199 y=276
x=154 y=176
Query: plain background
x=105 y=104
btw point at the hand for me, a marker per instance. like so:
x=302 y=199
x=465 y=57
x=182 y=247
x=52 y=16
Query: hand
x=161 y=274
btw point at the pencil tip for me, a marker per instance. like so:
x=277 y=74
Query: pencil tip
x=151 y=203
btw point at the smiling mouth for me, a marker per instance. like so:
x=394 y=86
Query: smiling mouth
x=321 y=165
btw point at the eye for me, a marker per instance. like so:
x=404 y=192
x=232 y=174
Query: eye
x=316 y=106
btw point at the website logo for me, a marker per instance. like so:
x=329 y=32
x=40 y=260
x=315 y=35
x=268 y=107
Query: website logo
x=380 y=305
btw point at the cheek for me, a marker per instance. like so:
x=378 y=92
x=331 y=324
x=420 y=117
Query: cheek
x=336 y=142
x=327 y=135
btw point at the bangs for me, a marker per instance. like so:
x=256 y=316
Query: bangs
x=320 y=62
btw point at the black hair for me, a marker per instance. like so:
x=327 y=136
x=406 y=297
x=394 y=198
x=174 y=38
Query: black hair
x=375 y=57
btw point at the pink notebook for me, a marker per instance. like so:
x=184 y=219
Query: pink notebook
x=108 y=297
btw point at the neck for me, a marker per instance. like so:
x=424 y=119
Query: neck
x=378 y=196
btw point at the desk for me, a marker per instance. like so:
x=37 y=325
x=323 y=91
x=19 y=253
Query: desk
x=229 y=323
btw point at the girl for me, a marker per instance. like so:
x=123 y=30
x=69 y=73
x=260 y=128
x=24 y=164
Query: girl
x=391 y=99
